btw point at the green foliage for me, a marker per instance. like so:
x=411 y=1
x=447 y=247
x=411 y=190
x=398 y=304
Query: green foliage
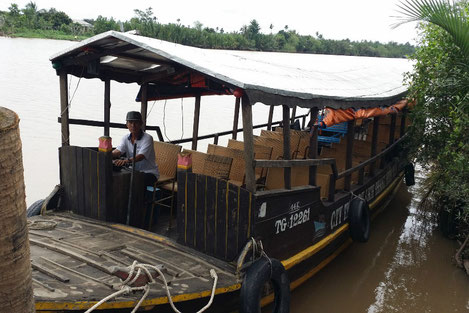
x=249 y=37
x=440 y=85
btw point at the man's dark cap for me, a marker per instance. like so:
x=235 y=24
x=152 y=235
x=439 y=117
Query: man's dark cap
x=134 y=116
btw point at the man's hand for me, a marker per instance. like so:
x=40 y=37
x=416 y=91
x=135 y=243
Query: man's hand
x=121 y=162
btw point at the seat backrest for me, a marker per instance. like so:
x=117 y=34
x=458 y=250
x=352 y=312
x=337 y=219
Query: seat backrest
x=261 y=152
x=294 y=139
x=198 y=160
x=217 y=166
x=237 y=167
x=275 y=144
x=166 y=157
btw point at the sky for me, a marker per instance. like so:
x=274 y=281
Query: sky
x=335 y=19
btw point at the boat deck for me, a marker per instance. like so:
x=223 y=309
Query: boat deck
x=74 y=258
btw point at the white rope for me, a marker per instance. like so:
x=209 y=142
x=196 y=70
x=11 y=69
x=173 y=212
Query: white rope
x=125 y=287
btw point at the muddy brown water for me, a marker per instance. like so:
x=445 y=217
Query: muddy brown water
x=405 y=267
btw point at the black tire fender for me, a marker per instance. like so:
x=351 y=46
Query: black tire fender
x=359 y=220
x=409 y=174
x=258 y=274
x=35 y=208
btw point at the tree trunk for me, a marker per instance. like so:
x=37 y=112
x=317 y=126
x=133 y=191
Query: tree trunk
x=15 y=265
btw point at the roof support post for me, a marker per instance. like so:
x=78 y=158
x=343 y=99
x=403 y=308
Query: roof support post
x=195 y=129
x=392 y=129
x=349 y=153
x=286 y=145
x=403 y=117
x=236 y=118
x=374 y=144
x=293 y=114
x=107 y=106
x=313 y=147
x=144 y=105
x=248 y=145
x=271 y=116
x=64 y=109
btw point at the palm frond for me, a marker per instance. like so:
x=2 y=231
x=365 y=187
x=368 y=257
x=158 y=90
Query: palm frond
x=442 y=13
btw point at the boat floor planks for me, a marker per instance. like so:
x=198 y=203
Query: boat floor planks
x=73 y=260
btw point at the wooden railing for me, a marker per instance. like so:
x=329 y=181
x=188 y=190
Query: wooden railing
x=334 y=176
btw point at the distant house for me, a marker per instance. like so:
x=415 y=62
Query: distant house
x=79 y=27
x=83 y=24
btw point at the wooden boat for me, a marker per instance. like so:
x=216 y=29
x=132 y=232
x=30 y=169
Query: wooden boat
x=282 y=204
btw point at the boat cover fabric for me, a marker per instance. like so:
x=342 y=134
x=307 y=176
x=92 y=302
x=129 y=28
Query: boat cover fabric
x=274 y=78
x=336 y=116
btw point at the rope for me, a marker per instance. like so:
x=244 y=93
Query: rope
x=126 y=288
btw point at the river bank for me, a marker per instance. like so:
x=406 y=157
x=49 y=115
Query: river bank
x=42 y=34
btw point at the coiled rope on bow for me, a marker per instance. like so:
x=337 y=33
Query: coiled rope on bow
x=145 y=268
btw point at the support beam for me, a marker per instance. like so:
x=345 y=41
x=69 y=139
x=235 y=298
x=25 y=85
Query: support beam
x=293 y=115
x=271 y=116
x=144 y=105
x=392 y=129
x=236 y=119
x=286 y=145
x=349 y=153
x=248 y=145
x=313 y=147
x=374 y=144
x=107 y=106
x=64 y=109
x=403 y=118
x=195 y=129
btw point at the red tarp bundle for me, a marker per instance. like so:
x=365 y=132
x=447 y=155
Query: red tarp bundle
x=338 y=116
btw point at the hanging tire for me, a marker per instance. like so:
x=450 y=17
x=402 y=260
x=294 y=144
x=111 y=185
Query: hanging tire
x=35 y=208
x=258 y=274
x=359 y=220
x=409 y=174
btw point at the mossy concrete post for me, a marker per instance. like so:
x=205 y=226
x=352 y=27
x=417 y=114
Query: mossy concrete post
x=16 y=293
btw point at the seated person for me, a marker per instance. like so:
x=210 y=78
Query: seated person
x=145 y=152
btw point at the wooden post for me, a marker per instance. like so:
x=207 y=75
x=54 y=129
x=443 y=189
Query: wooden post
x=286 y=145
x=374 y=144
x=64 y=109
x=271 y=116
x=144 y=104
x=236 y=118
x=403 y=117
x=392 y=129
x=248 y=145
x=107 y=106
x=313 y=148
x=349 y=153
x=195 y=129
x=293 y=114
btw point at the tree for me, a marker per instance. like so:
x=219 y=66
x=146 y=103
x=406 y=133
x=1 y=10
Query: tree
x=440 y=85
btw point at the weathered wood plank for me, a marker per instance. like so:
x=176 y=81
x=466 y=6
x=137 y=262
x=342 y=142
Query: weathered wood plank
x=107 y=106
x=211 y=212
x=221 y=222
x=236 y=118
x=286 y=145
x=195 y=129
x=248 y=144
x=293 y=163
x=232 y=244
x=65 y=129
x=199 y=212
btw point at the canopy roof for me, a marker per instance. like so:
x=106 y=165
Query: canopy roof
x=174 y=70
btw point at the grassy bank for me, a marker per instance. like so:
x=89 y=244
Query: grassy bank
x=43 y=34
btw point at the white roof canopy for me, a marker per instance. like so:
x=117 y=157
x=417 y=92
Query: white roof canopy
x=307 y=80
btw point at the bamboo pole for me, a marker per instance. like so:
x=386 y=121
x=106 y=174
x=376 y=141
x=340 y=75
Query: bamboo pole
x=15 y=265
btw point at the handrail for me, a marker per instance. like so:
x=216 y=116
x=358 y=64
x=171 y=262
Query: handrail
x=228 y=132
x=370 y=160
x=297 y=162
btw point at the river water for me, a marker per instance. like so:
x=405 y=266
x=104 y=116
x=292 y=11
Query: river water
x=405 y=267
